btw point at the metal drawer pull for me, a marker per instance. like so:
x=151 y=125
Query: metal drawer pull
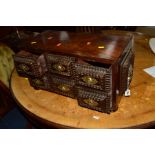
x=89 y=80
x=91 y=102
x=23 y=67
x=64 y=88
x=59 y=67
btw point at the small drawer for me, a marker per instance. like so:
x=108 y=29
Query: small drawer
x=29 y=65
x=40 y=83
x=62 y=86
x=59 y=64
x=95 y=100
x=92 y=76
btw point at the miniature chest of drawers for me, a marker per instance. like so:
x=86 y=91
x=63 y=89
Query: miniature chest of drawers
x=95 y=69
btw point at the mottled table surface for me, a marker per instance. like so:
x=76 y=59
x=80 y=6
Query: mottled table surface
x=136 y=111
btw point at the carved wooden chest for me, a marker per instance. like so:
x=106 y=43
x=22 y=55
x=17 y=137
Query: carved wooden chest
x=95 y=69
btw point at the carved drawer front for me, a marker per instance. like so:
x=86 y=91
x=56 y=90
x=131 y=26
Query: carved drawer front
x=94 y=77
x=30 y=65
x=59 y=64
x=62 y=86
x=40 y=83
x=93 y=99
x=126 y=72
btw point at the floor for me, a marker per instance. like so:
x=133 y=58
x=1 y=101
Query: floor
x=14 y=119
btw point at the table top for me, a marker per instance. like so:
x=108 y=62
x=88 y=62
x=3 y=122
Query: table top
x=136 y=111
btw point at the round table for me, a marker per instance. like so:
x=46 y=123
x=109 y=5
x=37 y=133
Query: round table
x=53 y=110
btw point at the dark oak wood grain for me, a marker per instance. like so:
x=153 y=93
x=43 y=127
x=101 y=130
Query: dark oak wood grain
x=91 y=46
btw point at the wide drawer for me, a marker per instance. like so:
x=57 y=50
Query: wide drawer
x=29 y=65
x=62 y=85
x=93 y=99
x=93 y=76
x=59 y=64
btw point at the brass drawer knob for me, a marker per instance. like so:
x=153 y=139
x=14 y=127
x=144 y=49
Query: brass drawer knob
x=89 y=80
x=23 y=67
x=59 y=67
x=64 y=88
x=91 y=102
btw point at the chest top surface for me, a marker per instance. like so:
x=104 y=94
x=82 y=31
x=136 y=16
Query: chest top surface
x=92 y=46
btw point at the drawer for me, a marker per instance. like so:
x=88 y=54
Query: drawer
x=40 y=83
x=93 y=76
x=62 y=85
x=29 y=65
x=95 y=100
x=59 y=64
x=126 y=72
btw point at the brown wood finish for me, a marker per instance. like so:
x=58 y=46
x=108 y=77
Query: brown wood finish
x=56 y=71
x=136 y=111
x=88 y=46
